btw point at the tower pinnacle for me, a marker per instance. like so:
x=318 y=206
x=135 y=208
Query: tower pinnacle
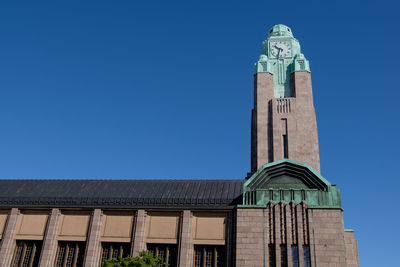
x=280 y=30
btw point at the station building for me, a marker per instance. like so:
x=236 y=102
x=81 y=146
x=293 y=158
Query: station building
x=283 y=214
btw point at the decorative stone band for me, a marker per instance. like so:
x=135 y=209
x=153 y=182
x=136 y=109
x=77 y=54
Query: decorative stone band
x=109 y=202
x=65 y=202
x=284 y=105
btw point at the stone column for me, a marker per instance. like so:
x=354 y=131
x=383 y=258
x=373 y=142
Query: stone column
x=49 y=250
x=93 y=245
x=139 y=233
x=186 y=243
x=8 y=241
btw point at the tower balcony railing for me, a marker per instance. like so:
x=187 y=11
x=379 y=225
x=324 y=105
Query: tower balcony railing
x=284 y=105
x=313 y=197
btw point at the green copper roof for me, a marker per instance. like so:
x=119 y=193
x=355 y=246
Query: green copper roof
x=280 y=30
x=291 y=161
x=288 y=180
x=281 y=55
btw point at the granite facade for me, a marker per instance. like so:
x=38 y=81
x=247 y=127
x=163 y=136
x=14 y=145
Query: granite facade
x=274 y=119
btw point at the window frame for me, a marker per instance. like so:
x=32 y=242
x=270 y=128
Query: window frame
x=284 y=255
x=76 y=260
x=35 y=247
x=307 y=256
x=295 y=256
x=170 y=252
x=122 y=247
x=272 y=255
x=218 y=252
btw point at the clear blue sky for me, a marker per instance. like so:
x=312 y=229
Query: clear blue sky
x=164 y=89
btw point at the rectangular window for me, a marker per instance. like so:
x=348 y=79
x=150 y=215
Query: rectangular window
x=295 y=256
x=272 y=255
x=70 y=254
x=285 y=146
x=284 y=262
x=307 y=256
x=114 y=251
x=26 y=254
x=209 y=256
x=167 y=252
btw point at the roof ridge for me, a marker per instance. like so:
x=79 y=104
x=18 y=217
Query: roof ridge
x=133 y=179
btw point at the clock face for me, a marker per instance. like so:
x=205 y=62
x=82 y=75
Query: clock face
x=280 y=49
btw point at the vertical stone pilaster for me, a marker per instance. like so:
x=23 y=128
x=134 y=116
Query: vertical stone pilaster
x=228 y=238
x=292 y=132
x=268 y=232
x=288 y=216
x=277 y=133
x=186 y=243
x=277 y=226
x=93 y=246
x=7 y=245
x=49 y=249
x=263 y=92
x=300 y=235
x=139 y=233
x=307 y=149
x=312 y=238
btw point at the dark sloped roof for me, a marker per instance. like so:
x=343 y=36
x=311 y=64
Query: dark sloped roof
x=120 y=193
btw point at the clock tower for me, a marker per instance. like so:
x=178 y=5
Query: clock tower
x=283 y=118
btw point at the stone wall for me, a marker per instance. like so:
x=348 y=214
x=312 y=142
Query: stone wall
x=261 y=234
x=263 y=83
x=351 y=249
x=250 y=250
x=90 y=225
x=294 y=117
x=328 y=240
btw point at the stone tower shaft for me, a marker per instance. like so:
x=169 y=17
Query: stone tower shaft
x=284 y=126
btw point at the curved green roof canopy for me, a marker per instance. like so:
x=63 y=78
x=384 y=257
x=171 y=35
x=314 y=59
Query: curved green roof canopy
x=288 y=180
